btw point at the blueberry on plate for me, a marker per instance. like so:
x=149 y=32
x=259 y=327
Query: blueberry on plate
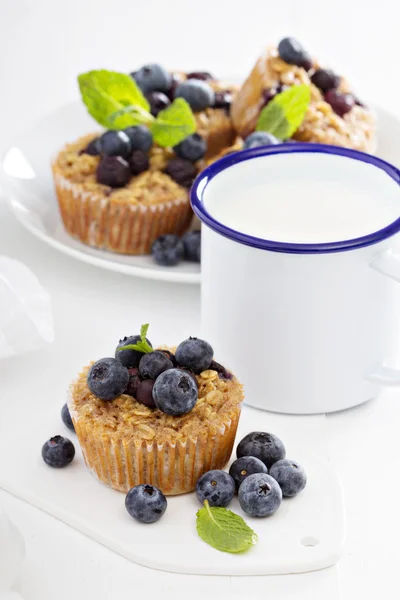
x=145 y=503
x=223 y=100
x=194 y=354
x=152 y=78
x=108 y=378
x=192 y=246
x=134 y=380
x=260 y=495
x=325 y=79
x=140 y=137
x=182 y=171
x=167 y=250
x=158 y=101
x=175 y=392
x=153 y=364
x=202 y=75
x=341 y=103
x=191 y=148
x=293 y=53
x=138 y=162
x=129 y=358
x=58 y=452
x=217 y=487
x=290 y=476
x=245 y=466
x=260 y=138
x=169 y=355
x=66 y=417
x=222 y=372
x=115 y=143
x=198 y=94
x=265 y=446
x=93 y=148
x=113 y=171
x=144 y=393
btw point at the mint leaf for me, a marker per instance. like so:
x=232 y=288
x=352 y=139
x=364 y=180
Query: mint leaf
x=224 y=529
x=107 y=94
x=142 y=345
x=286 y=111
x=173 y=124
x=143 y=331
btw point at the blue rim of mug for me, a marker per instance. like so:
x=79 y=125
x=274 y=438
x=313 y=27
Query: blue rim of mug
x=201 y=182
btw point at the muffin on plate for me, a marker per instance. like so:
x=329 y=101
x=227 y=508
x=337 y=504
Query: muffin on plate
x=160 y=417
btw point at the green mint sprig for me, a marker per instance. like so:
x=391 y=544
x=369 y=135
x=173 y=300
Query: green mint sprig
x=224 y=530
x=142 y=345
x=115 y=101
x=284 y=114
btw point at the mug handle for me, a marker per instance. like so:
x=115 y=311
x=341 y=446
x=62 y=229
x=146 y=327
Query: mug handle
x=388 y=264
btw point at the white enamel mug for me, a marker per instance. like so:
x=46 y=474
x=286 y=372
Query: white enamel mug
x=307 y=327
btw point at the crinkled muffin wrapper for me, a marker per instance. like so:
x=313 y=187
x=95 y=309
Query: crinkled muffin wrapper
x=172 y=467
x=121 y=227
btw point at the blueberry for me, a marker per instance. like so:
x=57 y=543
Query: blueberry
x=175 y=392
x=191 y=244
x=290 y=476
x=134 y=380
x=66 y=417
x=145 y=503
x=167 y=250
x=158 y=101
x=194 y=354
x=340 y=103
x=115 y=143
x=144 y=393
x=108 y=379
x=176 y=79
x=265 y=446
x=140 y=137
x=138 y=162
x=202 y=75
x=260 y=138
x=169 y=355
x=223 y=100
x=325 y=79
x=153 y=364
x=269 y=93
x=93 y=148
x=192 y=148
x=113 y=171
x=222 y=372
x=217 y=487
x=152 y=78
x=58 y=452
x=245 y=466
x=196 y=93
x=129 y=358
x=294 y=54
x=260 y=495
x=182 y=171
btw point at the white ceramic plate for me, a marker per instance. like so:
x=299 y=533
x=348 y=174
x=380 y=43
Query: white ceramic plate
x=28 y=184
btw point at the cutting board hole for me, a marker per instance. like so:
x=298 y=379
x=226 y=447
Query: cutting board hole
x=309 y=541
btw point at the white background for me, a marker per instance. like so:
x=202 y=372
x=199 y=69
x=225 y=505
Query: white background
x=44 y=44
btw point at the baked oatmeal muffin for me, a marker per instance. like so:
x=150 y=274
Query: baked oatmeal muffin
x=334 y=116
x=167 y=427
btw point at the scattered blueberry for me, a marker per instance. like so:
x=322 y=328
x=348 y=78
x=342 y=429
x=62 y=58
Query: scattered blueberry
x=66 y=417
x=152 y=78
x=138 y=162
x=115 y=143
x=113 y=171
x=265 y=446
x=202 y=75
x=145 y=503
x=293 y=53
x=340 y=103
x=217 y=487
x=290 y=476
x=134 y=379
x=222 y=372
x=192 y=148
x=93 y=148
x=260 y=495
x=192 y=243
x=223 y=100
x=245 y=466
x=175 y=392
x=176 y=79
x=325 y=79
x=197 y=93
x=129 y=358
x=182 y=171
x=144 y=393
x=153 y=364
x=194 y=354
x=58 y=452
x=169 y=355
x=158 y=101
x=108 y=378
x=140 y=137
x=260 y=138
x=167 y=250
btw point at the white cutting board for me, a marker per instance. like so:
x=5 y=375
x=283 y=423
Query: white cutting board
x=306 y=533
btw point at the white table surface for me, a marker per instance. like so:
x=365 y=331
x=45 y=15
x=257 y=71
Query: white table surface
x=43 y=45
